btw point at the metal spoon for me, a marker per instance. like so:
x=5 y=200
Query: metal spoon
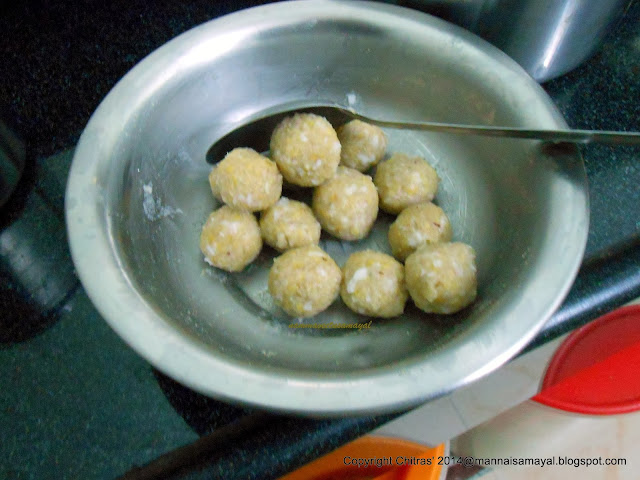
x=257 y=132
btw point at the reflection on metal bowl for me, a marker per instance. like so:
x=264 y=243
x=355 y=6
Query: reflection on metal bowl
x=138 y=195
x=548 y=38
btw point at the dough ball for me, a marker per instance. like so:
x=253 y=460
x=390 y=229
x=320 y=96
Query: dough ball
x=418 y=225
x=213 y=183
x=373 y=284
x=441 y=278
x=245 y=179
x=230 y=239
x=306 y=148
x=304 y=281
x=346 y=205
x=403 y=180
x=363 y=145
x=289 y=224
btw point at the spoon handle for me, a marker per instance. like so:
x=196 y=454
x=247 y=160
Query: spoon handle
x=574 y=136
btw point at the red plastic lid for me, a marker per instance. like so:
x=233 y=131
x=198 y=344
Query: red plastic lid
x=596 y=370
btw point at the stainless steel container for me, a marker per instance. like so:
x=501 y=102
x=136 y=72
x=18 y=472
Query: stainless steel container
x=546 y=37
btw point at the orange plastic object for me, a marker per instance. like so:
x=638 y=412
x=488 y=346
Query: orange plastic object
x=417 y=472
x=595 y=370
x=335 y=465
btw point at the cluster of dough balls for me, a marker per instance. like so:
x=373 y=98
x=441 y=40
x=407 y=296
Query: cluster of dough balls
x=246 y=182
x=305 y=150
x=440 y=275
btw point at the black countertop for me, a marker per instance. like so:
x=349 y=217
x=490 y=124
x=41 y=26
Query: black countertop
x=75 y=401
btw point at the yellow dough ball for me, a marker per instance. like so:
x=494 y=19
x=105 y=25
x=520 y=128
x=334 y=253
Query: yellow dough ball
x=289 y=224
x=304 y=281
x=346 y=205
x=213 y=183
x=306 y=148
x=373 y=284
x=363 y=145
x=245 y=179
x=418 y=225
x=230 y=239
x=403 y=180
x=441 y=278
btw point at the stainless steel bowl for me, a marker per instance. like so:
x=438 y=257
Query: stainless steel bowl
x=138 y=196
